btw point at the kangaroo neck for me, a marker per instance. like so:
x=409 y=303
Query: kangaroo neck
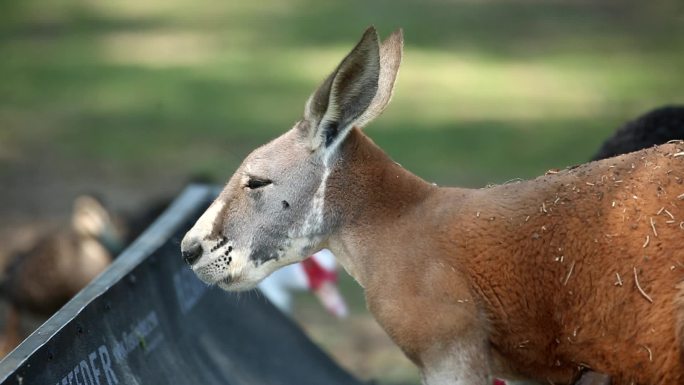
x=369 y=196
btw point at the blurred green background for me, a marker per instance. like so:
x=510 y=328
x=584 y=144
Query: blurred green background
x=129 y=98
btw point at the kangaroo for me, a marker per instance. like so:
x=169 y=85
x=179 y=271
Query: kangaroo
x=40 y=280
x=532 y=281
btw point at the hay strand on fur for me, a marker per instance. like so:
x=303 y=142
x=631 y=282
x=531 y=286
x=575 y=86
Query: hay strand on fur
x=567 y=277
x=653 y=227
x=636 y=280
x=650 y=353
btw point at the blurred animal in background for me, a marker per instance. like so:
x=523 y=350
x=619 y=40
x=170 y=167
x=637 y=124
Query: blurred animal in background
x=317 y=274
x=40 y=280
x=655 y=127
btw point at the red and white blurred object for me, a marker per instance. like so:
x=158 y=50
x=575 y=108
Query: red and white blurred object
x=317 y=274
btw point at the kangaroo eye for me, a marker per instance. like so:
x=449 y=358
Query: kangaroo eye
x=255 y=183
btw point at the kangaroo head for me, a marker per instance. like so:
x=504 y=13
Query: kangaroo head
x=274 y=210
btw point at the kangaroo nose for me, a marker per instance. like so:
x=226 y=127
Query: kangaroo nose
x=191 y=251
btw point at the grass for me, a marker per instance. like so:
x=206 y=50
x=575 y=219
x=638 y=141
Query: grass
x=489 y=90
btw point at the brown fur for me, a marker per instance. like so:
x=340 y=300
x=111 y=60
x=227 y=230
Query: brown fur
x=529 y=267
x=43 y=279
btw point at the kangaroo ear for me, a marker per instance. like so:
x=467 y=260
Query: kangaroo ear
x=347 y=95
x=390 y=59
